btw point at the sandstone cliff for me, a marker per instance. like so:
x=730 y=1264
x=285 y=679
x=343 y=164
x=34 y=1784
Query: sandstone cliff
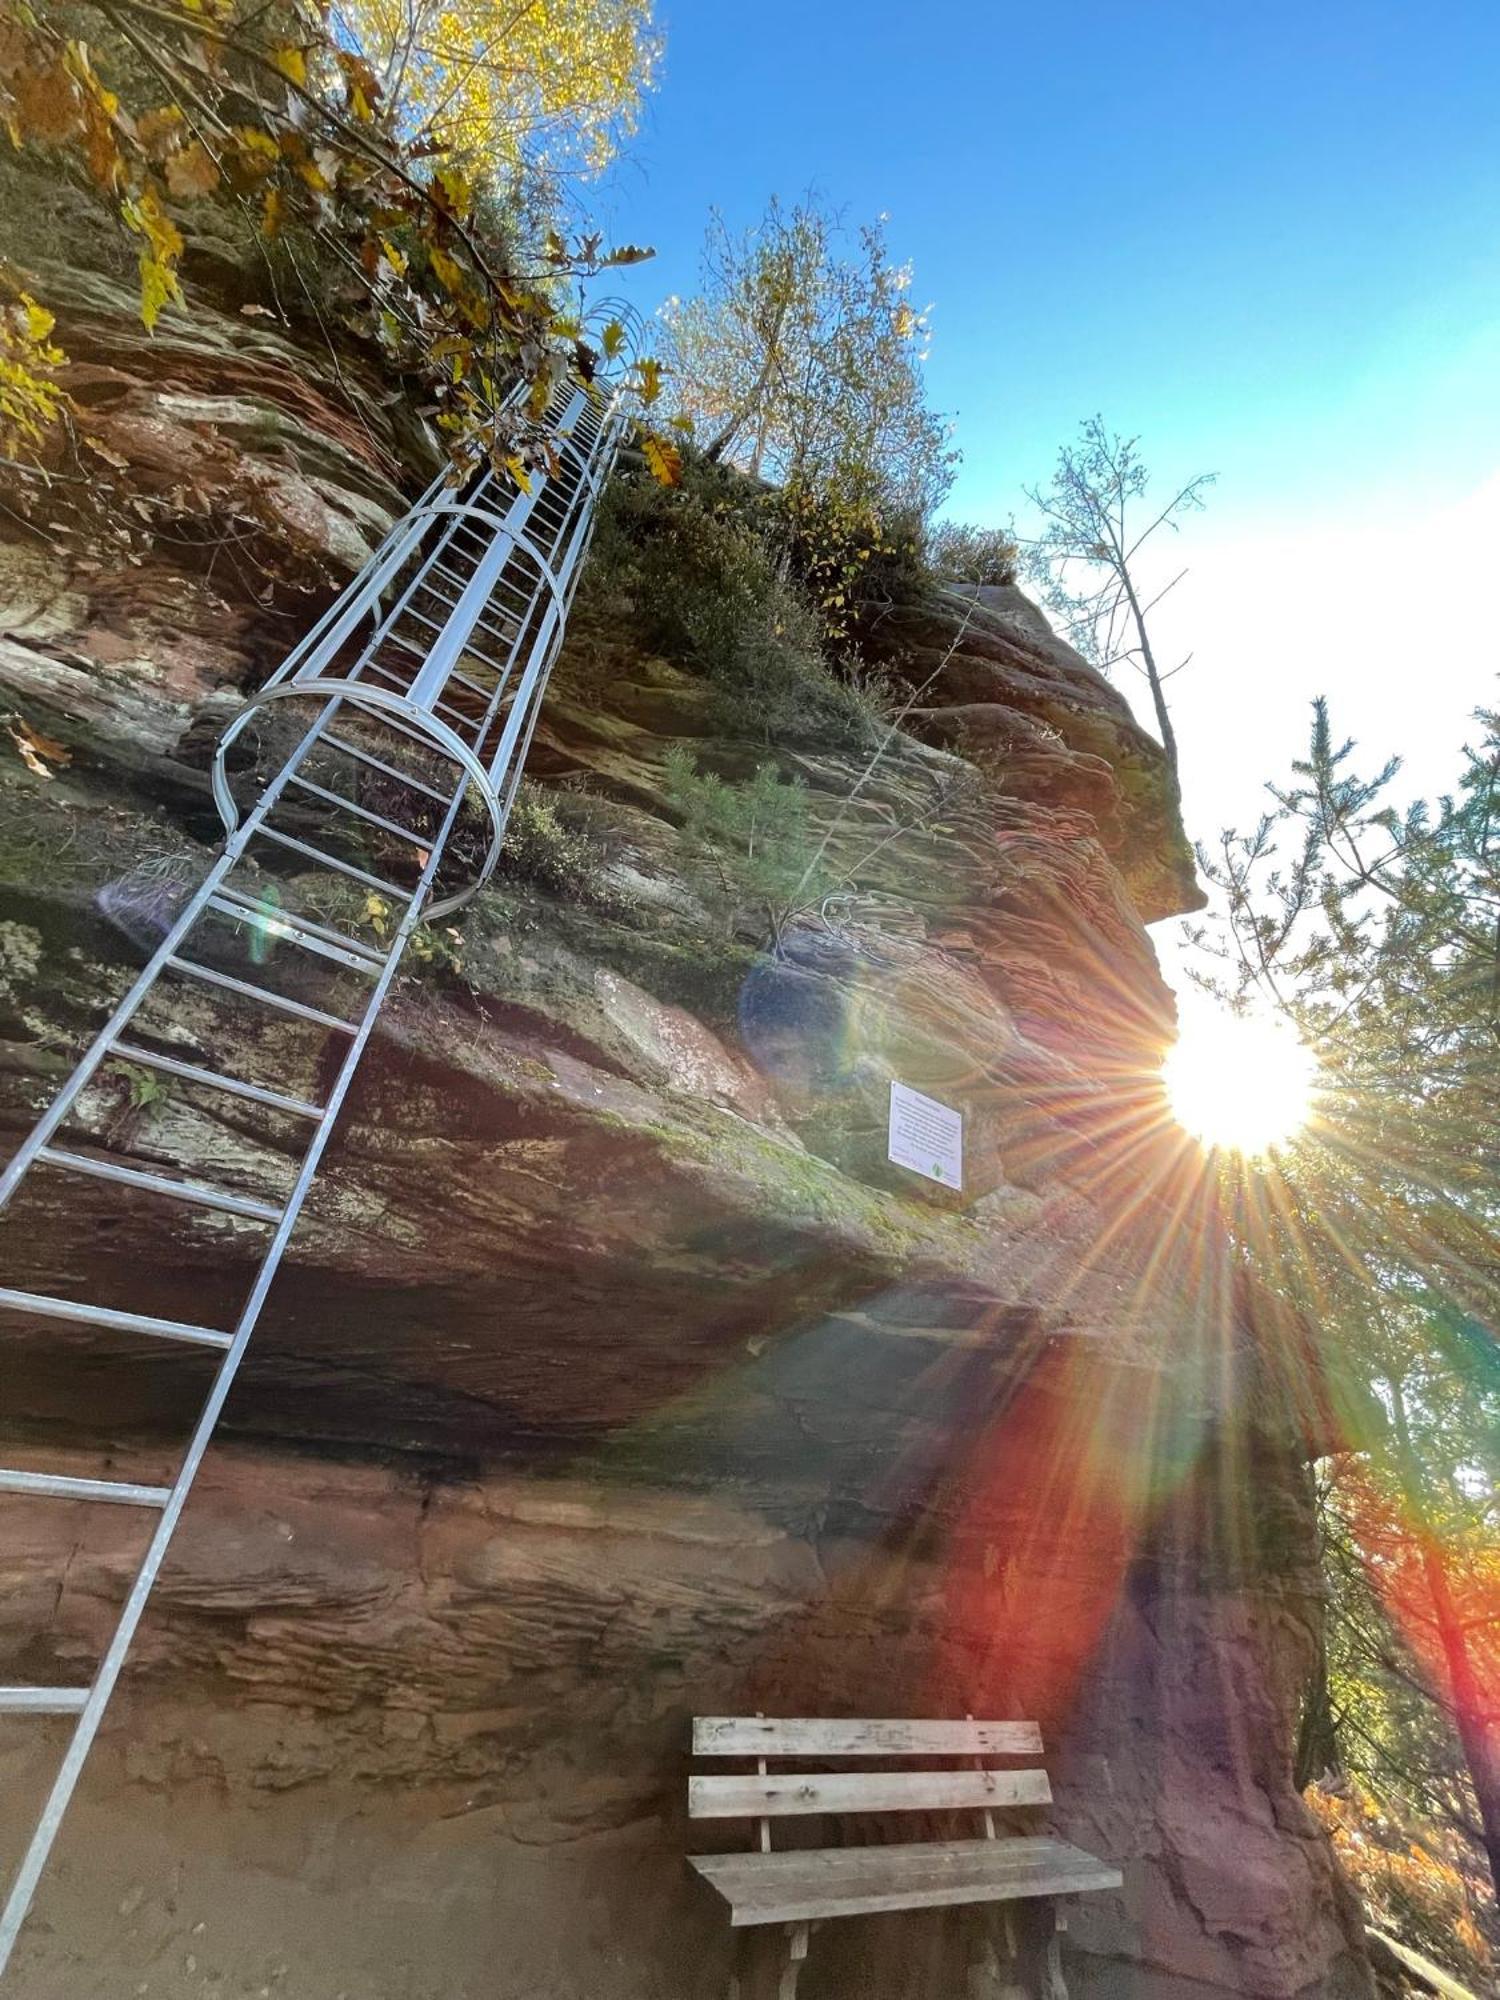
x=614 y=1376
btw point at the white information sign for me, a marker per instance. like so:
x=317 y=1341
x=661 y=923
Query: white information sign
x=926 y=1136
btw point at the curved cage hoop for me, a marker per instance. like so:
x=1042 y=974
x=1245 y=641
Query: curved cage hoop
x=380 y=702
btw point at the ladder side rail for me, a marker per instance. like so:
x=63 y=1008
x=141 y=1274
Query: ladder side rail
x=23 y=1887
x=555 y=585
x=573 y=562
x=46 y=1125
x=241 y=833
x=561 y=599
x=579 y=531
x=504 y=770
x=570 y=567
x=443 y=655
x=360 y=596
x=234 y=848
x=532 y=677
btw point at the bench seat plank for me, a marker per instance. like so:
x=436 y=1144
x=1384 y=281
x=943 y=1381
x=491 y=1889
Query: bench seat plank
x=791 y=1887
x=822 y=1736
x=776 y=1793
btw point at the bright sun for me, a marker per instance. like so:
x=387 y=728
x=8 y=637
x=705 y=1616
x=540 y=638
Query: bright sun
x=1243 y=1085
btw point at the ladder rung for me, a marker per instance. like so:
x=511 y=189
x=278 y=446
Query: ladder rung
x=53 y=1486
x=376 y=882
x=347 y=804
x=400 y=686
x=481 y=624
x=474 y=687
x=113 y=1320
x=390 y=770
x=501 y=638
x=231 y=985
x=216 y=1080
x=301 y=929
x=399 y=728
x=448 y=576
x=190 y=1191
x=42 y=1701
x=493 y=607
x=469 y=651
x=484 y=538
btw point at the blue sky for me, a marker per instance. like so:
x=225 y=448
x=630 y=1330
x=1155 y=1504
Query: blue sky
x=1265 y=239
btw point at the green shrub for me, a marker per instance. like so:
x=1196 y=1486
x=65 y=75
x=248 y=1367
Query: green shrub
x=969 y=554
x=749 y=845
x=554 y=851
x=843 y=554
x=713 y=590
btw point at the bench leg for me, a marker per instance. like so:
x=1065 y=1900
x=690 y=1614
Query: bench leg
x=768 y=1959
x=1054 y=1987
x=1015 y=1954
x=993 y=1971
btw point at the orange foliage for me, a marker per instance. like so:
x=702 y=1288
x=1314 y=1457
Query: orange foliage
x=1408 y=1885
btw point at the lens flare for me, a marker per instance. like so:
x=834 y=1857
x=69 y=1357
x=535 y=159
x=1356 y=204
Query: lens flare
x=1237 y=1083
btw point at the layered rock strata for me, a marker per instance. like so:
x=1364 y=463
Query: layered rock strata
x=616 y=1376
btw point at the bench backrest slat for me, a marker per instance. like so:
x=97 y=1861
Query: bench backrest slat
x=778 y=1794
x=818 y=1736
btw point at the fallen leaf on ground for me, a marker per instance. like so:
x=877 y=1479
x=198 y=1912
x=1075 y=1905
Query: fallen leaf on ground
x=36 y=750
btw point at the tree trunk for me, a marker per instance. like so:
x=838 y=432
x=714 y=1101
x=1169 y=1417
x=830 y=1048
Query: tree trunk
x=757 y=396
x=1474 y=1717
x=1317 y=1740
x=1153 y=675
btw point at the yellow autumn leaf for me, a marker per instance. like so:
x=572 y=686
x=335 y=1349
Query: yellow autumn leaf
x=518 y=473
x=39 y=322
x=110 y=456
x=447 y=270
x=159 y=287
x=157 y=129
x=164 y=245
x=292 y=63
x=455 y=190
x=663 y=460
x=146 y=216
x=260 y=151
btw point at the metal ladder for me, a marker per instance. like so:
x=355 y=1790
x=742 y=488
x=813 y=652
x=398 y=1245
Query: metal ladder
x=417 y=695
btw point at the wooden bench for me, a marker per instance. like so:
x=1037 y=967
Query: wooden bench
x=775 y=1896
